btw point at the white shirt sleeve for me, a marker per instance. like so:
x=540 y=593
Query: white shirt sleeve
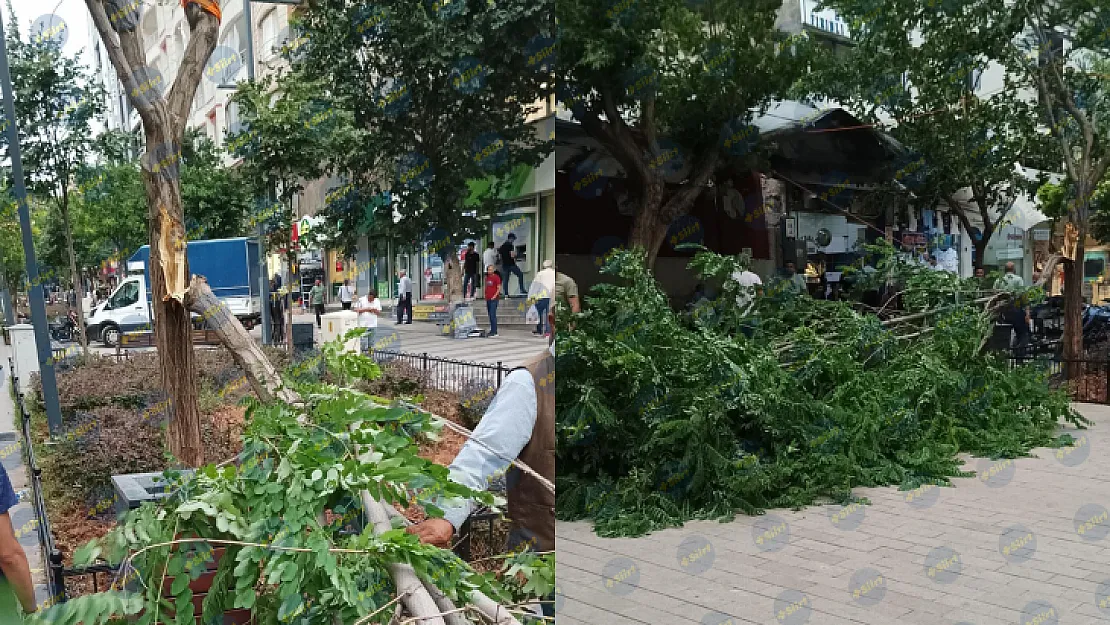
x=506 y=427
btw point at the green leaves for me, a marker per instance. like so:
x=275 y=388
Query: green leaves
x=700 y=421
x=289 y=474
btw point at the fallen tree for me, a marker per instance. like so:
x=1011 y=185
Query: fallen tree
x=666 y=416
x=316 y=447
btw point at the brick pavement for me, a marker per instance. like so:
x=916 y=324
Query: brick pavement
x=1025 y=541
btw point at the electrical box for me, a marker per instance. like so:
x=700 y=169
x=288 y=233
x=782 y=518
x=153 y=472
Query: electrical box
x=335 y=325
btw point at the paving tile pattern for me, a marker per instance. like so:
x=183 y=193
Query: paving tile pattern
x=1023 y=542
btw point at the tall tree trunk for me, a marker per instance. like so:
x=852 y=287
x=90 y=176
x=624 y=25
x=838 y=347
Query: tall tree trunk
x=649 y=227
x=980 y=251
x=77 y=278
x=452 y=278
x=173 y=328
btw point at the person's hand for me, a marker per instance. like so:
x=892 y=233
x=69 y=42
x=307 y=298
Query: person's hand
x=437 y=532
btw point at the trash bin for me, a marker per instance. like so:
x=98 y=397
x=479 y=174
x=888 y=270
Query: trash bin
x=303 y=337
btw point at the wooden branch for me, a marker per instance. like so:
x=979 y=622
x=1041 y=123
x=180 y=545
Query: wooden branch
x=148 y=112
x=417 y=599
x=203 y=30
x=261 y=374
x=446 y=607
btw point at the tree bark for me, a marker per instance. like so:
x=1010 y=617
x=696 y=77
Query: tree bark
x=164 y=120
x=1073 y=305
x=260 y=372
x=649 y=227
x=452 y=278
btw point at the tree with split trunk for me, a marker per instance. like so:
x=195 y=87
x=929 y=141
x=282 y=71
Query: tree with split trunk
x=918 y=74
x=1061 y=50
x=439 y=94
x=164 y=118
x=56 y=102
x=668 y=89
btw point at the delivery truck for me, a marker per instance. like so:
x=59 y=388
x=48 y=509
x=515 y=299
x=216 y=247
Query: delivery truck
x=230 y=265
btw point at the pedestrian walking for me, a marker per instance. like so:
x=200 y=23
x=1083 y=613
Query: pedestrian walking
x=368 y=308
x=507 y=251
x=316 y=296
x=470 y=270
x=346 y=294
x=16 y=587
x=493 y=295
x=1016 y=313
x=541 y=292
x=404 y=298
x=519 y=424
x=797 y=282
x=277 y=311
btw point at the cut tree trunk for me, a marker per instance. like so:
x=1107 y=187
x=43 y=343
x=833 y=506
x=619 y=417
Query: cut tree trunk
x=260 y=372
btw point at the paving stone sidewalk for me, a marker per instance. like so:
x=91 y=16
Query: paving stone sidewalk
x=1026 y=541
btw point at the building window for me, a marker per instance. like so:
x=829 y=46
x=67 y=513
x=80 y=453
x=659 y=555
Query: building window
x=270 y=43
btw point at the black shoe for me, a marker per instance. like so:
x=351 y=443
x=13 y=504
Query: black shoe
x=408 y=323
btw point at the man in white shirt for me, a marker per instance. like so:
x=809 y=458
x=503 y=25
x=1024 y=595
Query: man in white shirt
x=346 y=294
x=518 y=425
x=368 y=309
x=404 y=298
x=750 y=284
x=540 y=294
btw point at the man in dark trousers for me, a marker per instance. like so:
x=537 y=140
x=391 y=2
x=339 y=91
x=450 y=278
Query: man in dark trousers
x=470 y=270
x=404 y=298
x=519 y=424
x=509 y=266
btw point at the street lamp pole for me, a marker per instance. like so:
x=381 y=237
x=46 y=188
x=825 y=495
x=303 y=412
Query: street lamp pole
x=264 y=283
x=34 y=290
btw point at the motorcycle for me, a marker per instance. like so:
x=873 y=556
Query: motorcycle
x=64 y=329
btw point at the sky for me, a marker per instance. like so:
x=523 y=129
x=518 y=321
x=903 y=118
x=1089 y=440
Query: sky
x=73 y=13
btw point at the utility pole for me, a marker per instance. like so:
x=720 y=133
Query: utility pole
x=34 y=291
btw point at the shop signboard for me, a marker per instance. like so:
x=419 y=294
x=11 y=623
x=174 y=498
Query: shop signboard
x=430 y=312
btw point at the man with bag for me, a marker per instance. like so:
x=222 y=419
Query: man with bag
x=539 y=296
x=518 y=425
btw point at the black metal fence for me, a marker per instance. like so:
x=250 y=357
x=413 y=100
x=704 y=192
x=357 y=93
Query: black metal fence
x=1085 y=379
x=51 y=556
x=446 y=374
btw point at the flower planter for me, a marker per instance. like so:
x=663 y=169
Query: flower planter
x=200 y=587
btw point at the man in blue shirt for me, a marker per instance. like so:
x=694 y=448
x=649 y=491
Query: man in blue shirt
x=16 y=587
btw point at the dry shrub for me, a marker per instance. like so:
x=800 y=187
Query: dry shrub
x=398 y=379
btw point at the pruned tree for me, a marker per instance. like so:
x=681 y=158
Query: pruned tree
x=56 y=103
x=164 y=119
x=1061 y=50
x=669 y=89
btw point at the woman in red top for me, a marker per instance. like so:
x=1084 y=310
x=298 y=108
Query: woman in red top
x=493 y=294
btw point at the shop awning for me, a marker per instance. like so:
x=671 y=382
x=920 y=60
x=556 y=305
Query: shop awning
x=515 y=182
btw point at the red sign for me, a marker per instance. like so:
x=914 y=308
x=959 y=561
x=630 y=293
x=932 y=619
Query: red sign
x=339 y=265
x=913 y=240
